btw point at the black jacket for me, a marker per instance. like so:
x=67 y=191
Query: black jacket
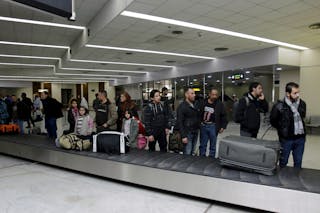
x=220 y=114
x=248 y=115
x=52 y=108
x=155 y=117
x=23 y=111
x=188 y=118
x=71 y=120
x=281 y=118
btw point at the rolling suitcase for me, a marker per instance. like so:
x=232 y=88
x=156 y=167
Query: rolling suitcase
x=110 y=142
x=250 y=154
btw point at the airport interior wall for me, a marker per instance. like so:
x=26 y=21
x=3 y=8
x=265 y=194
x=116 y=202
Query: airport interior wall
x=309 y=79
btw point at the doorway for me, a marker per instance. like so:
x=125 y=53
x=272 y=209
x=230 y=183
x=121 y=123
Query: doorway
x=66 y=95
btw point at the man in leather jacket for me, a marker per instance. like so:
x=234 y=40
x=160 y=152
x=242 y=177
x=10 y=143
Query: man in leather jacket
x=287 y=116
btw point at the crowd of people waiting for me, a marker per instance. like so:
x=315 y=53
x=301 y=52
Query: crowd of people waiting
x=158 y=120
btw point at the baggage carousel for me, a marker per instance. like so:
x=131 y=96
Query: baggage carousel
x=290 y=190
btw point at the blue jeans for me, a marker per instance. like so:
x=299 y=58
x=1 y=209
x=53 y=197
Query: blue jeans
x=189 y=148
x=208 y=132
x=51 y=126
x=20 y=124
x=297 y=148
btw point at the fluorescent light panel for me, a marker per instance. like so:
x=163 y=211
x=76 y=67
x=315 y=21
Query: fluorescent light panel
x=45 y=77
x=27 y=21
x=147 y=51
x=28 y=56
x=55 y=80
x=33 y=45
x=93 y=75
x=84 y=61
x=120 y=63
x=28 y=65
x=79 y=69
x=102 y=70
x=207 y=28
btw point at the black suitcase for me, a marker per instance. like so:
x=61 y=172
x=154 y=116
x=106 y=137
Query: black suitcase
x=109 y=142
x=250 y=154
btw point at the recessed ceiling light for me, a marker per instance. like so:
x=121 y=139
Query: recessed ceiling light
x=147 y=51
x=207 y=28
x=233 y=81
x=247 y=79
x=120 y=63
x=218 y=81
x=181 y=79
x=229 y=77
x=278 y=68
x=33 y=45
x=191 y=83
x=177 y=32
x=247 y=71
x=209 y=76
x=220 y=49
x=194 y=80
x=315 y=26
x=27 y=21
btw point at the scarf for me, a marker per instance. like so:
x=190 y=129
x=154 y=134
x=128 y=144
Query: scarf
x=298 y=125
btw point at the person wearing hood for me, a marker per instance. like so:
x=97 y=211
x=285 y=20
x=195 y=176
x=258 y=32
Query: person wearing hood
x=156 y=120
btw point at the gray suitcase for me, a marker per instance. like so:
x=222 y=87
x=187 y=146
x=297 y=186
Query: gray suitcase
x=250 y=154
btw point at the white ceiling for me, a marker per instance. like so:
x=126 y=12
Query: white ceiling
x=285 y=20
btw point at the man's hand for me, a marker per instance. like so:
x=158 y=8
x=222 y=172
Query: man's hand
x=185 y=140
x=221 y=130
x=261 y=97
x=167 y=131
x=151 y=138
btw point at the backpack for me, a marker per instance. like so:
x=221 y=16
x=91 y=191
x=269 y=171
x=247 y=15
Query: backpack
x=235 y=108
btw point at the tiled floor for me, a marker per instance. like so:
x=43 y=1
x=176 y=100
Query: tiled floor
x=36 y=188
x=31 y=187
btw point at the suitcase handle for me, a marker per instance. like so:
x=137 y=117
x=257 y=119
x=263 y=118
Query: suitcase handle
x=264 y=157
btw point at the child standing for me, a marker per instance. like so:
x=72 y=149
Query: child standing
x=84 y=124
x=130 y=129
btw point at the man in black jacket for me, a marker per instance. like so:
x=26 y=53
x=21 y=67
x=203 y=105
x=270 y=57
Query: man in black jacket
x=52 y=109
x=249 y=108
x=28 y=105
x=213 y=122
x=156 y=121
x=287 y=117
x=188 y=115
